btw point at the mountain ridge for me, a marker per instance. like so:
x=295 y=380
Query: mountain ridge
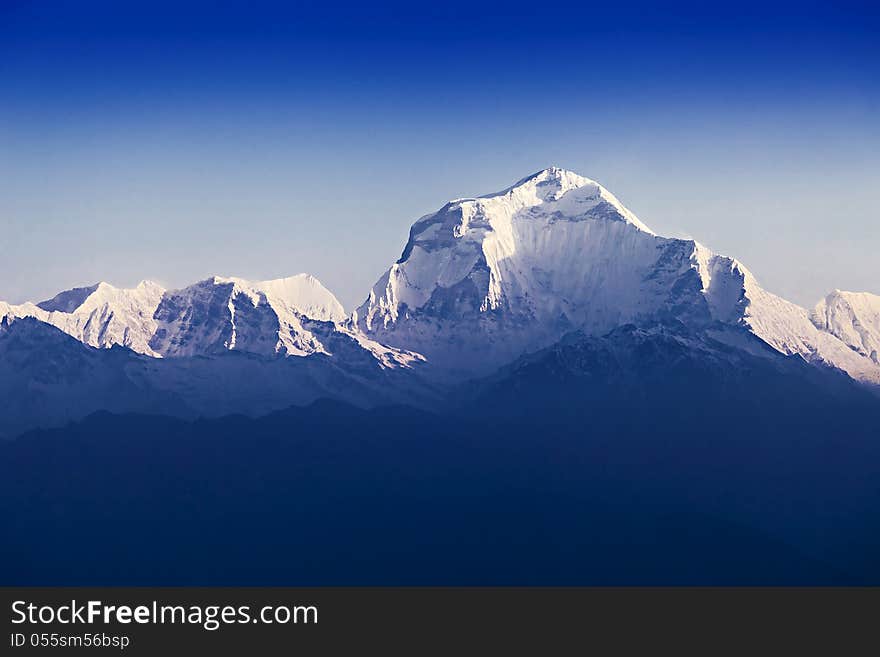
x=482 y=284
x=557 y=252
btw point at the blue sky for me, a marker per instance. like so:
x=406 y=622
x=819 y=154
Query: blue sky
x=154 y=140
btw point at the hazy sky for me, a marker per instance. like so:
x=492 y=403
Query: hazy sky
x=144 y=140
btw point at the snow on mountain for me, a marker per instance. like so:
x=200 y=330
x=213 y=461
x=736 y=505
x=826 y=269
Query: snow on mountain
x=481 y=282
x=69 y=300
x=49 y=378
x=261 y=317
x=304 y=294
x=852 y=317
x=787 y=327
x=295 y=316
x=484 y=280
x=100 y=315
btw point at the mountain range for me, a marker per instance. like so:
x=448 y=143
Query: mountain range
x=541 y=391
x=484 y=286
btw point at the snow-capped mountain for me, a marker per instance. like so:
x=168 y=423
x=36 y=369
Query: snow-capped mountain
x=484 y=280
x=481 y=284
x=48 y=378
x=262 y=317
x=854 y=318
x=100 y=315
x=294 y=316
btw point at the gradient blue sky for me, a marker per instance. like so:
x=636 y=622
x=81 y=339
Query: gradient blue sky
x=173 y=141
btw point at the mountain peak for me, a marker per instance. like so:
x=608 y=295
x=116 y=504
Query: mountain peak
x=228 y=313
x=86 y=298
x=853 y=318
x=69 y=300
x=545 y=253
x=485 y=279
x=563 y=178
x=149 y=287
x=302 y=293
x=100 y=315
x=571 y=193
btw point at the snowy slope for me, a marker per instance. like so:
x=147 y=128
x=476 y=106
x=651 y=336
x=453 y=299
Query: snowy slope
x=261 y=317
x=100 y=315
x=786 y=327
x=854 y=318
x=484 y=280
x=480 y=282
x=295 y=316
